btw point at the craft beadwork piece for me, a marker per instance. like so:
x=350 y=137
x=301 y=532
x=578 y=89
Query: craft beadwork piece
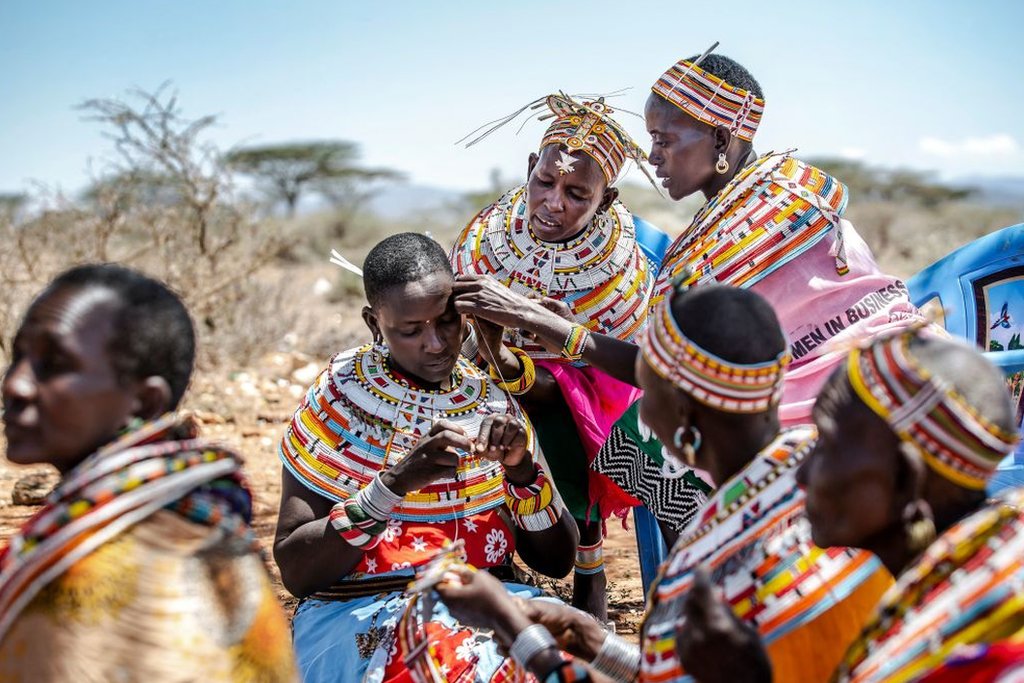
x=601 y=275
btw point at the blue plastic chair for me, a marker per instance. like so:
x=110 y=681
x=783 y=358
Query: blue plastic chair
x=650 y=544
x=980 y=291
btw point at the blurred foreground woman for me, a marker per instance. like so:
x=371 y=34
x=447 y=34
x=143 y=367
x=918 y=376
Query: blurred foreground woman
x=141 y=565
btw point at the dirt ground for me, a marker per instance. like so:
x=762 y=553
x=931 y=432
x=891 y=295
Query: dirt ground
x=249 y=411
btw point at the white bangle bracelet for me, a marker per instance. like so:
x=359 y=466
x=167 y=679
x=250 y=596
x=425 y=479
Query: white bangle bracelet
x=530 y=642
x=617 y=659
x=377 y=500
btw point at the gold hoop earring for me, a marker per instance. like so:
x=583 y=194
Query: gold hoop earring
x=723 y=164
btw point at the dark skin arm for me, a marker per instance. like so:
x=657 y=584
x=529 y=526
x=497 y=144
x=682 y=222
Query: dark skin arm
x=487 y=299
x=479 y=600
x=489 y=336
x=311 y=555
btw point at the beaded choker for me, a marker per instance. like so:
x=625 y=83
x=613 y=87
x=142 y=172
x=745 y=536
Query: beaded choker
x=927 y=413
x=708 y=98
x=721 y=384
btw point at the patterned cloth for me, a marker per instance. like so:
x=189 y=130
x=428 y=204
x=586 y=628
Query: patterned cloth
x=358 y=418
x=962 y=598
x=141 y=566
x=753 y=537
x=632 y=458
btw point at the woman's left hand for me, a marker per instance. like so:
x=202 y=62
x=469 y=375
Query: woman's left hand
x=503 y=439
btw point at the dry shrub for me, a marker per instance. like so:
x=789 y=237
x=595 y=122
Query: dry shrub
x=164 y=206
x=906 y=237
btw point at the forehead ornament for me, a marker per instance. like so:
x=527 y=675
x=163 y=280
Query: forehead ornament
x=565 y=163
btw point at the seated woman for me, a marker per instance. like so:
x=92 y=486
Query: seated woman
x=400 y=448
x=911 y=429
x=771 y=223
x=711 y=367
x=141 y=565
x=565 y=236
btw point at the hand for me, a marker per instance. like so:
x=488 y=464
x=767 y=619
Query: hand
x=486 y=298
x=577 y=632
x=479 y=600
x=559 y=308
x=503 y=439
x=435 y=456
x=714 y=645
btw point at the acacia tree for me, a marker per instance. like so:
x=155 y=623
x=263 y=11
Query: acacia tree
x=284 y=172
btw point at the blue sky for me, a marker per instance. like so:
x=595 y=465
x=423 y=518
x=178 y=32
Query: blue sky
x=929 y=85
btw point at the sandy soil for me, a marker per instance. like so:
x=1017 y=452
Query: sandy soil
x=249 y=411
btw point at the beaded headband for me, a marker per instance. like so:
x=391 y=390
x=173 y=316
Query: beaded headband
x=585 y=127
x=580 y=125
x=927 y=413
x=721 y=384
x=710 y=99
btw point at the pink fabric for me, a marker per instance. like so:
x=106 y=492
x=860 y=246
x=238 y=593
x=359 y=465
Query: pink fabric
x=823 y=314
x=596 y=400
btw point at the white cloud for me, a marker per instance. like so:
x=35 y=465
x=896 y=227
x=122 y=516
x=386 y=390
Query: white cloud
x=999 y=145
x=853 y=153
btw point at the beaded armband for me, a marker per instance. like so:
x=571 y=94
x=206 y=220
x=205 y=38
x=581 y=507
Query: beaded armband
x=524 y=382
x=362 y=519
x=575 y=343
x=533 y=506
x=358 y=528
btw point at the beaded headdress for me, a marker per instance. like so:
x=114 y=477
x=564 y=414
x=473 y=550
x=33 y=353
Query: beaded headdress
x=710 y=99
x=926 y=412
x=718 y=383
x=580 y=125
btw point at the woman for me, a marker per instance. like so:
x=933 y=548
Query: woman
x=711 y=367
x=400 y=448
x=565 y=236
x=911 y=429
x=141 y=564
x=770 y=223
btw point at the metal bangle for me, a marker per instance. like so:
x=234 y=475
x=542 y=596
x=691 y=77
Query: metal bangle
x=617 y=659
x=377 y=500
x=530 y=642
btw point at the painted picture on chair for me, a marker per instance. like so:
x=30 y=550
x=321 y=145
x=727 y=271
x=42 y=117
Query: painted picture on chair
x=1003 y=322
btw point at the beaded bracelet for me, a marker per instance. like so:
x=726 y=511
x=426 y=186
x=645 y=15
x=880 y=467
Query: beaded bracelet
x=575 y=343
x=359 y=529
x=364 y=517
x=534 y=507
x=524 y=382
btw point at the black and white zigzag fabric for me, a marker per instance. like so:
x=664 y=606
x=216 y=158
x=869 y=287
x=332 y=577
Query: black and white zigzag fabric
x=672 y=501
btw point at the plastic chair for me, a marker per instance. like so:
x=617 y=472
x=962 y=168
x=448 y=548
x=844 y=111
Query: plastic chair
x=650 y=544
x=979 y=289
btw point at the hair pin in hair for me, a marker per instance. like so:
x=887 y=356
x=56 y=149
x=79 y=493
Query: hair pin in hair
x=342 y=262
